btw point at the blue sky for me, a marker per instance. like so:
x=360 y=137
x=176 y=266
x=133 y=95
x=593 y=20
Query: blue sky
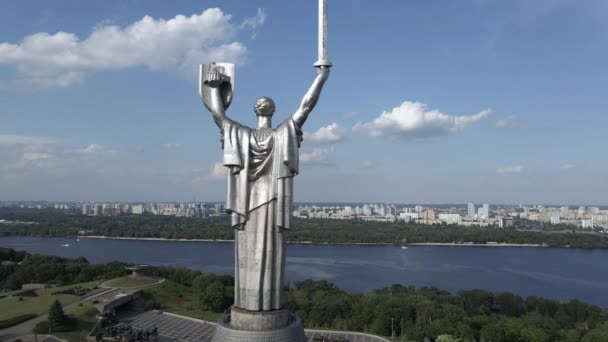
x=428 y=101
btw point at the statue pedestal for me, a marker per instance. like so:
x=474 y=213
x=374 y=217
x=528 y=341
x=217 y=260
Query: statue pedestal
x=259 y=326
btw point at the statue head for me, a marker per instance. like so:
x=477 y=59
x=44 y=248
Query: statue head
x=264 y=106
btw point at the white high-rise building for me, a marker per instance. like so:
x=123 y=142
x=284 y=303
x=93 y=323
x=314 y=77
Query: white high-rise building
x=555 y=220
x=471 y=210
x=98 y=210
x=86 y=209
x=450 y=218
x=137 y=209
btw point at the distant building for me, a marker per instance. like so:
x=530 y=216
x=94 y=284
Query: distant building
x=505 y=222
x=450 y=218
x=555 y=220
x=219 y=208
x=86 y=209
x=407 y=217
x=471 y=210
x=98 y=210
x=111 y=211
x=137 y=209
x=429 y=215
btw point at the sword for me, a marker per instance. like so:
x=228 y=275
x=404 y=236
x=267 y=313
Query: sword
x=323 y=59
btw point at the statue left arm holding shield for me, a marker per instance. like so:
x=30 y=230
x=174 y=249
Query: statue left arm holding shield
x=216 y=88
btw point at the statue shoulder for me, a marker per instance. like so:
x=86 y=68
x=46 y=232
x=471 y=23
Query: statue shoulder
x=229 y=125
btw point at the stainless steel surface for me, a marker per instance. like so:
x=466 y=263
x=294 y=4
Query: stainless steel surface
x=214 y=75
x=323 y=59
x=262 y=163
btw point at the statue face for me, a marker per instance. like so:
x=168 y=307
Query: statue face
x=264 y=106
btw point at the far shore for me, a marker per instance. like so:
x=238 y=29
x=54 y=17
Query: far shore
x=223 y=240
x=327 y=243
x=502 y=244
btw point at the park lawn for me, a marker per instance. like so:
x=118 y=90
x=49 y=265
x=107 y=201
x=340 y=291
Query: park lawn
x=11 y=306
x=86 y=316
x=178 y=299
x=132 y=282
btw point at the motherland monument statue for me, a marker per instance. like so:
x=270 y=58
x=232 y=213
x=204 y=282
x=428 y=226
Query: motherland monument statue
x=261 y=165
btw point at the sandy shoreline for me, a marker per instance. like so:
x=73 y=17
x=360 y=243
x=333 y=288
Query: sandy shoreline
x=327 y=243
x=476 y=244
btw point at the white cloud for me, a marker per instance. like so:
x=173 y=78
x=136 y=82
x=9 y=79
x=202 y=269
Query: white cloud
x=328 y=134
x=508 y=122
x=9 y=139
x=366 y=164
x=178 y=44
x=219 y=171
x=510 y=169
x=94 y=150
x=318 y=154
x=567 y=166
x=172 y=146
x=412 y=120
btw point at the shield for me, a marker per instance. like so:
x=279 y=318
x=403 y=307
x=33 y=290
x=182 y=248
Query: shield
x=226 y=81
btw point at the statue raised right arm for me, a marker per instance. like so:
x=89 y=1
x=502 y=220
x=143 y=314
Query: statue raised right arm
x=312 y=96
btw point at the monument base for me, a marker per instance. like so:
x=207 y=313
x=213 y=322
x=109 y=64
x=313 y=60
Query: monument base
x=246 y=326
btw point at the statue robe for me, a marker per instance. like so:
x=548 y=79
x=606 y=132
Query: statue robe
x=262 y=164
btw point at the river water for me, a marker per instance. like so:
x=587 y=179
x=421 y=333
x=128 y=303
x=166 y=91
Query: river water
x=558 y=273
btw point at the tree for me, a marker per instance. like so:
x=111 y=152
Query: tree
x=213 y=297
x=56 y=316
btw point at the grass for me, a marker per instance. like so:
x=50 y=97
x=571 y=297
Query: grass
x=11 y=307
x=178 y=299
x=15 y=320
x=81 y=319
x=131 y=282
x=86 y=318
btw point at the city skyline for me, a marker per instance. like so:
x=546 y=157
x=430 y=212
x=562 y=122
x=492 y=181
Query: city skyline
x=477 y=101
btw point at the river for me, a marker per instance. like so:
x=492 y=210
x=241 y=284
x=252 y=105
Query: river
x=558 y=273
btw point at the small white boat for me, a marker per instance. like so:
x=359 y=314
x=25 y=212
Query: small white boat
x=403 y=247
x=77 y=239
x=65 y=245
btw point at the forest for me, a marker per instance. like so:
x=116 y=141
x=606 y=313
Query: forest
x=55 y=223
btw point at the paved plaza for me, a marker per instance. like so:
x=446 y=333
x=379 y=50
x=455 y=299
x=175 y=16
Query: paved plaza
x=179 y=328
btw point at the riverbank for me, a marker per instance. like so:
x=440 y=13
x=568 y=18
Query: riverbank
x=224 y=240
x=465 y=244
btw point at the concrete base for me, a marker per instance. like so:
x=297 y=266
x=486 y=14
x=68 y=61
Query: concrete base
x=258 y=320
x=293 y=331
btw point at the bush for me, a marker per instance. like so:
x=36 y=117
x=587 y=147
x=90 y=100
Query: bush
x=15 y=320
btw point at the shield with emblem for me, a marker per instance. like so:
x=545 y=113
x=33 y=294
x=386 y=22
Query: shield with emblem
x=225 y=81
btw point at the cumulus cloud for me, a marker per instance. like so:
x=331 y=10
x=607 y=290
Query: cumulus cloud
x=317 y=155
x=219 y=171
x=567 y=166
x=414 y=121
x=178 y=44
x=508 y=122
x=328 y=134
x=172 y=146
x=93 y=150
x=510 y=169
